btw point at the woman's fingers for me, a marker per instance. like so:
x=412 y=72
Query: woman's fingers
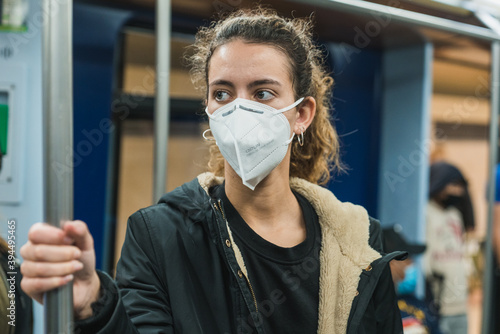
x=36 y=286
x=42 y=233
x=47 y=269
x=49 y=253
x=79 y=232
x=54 y=256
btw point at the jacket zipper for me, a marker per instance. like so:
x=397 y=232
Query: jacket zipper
x=253 y=294
x=242 y=273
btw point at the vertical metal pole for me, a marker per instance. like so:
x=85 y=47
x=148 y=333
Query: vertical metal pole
x=495 y=110
x=162 y=99
x=112 y=189
x=58 y=144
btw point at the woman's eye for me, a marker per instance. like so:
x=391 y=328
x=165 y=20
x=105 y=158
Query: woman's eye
x=221 y=96
x=264 y=95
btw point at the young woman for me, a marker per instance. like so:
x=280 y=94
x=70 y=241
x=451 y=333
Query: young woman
x=255 y=245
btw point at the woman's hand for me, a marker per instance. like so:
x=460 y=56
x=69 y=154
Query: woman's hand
x=53 y=257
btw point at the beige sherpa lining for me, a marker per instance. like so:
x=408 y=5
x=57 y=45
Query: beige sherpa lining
x=237 y=252
x=344 y=254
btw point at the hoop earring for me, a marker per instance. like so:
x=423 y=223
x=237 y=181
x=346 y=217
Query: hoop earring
x=205 y=136
x=300 y=138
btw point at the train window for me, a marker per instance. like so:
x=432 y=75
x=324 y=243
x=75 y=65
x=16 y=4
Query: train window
x=139 y=61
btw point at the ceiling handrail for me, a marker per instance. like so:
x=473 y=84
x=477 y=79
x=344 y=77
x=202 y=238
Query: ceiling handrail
x=406 y=16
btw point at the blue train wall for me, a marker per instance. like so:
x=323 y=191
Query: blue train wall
x=357 y=97
x=95 y=33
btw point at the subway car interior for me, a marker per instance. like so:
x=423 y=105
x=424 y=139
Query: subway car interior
x=415 y=82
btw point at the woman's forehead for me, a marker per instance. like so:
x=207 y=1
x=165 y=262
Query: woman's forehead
x=238 y=60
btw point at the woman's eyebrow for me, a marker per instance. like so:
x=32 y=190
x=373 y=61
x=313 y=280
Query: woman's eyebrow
x=222 y=82
x=264 y=82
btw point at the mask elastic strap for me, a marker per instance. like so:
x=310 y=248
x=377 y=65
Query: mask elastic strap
x=208 y=114
x=290 y=140
x=296 y=103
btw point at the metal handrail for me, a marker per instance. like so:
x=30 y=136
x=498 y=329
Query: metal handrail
x=162 y=98
x=405 y=16
x=488 y=282
x=58 y=131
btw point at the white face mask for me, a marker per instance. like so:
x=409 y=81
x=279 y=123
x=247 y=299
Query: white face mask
x=252 y=137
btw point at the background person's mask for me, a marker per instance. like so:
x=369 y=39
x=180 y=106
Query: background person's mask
x=408 y=285
x=252 y=137
x=452 y=200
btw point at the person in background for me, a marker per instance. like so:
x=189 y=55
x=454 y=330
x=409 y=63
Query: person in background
x=418 y=317
x=449 y=216
x=19 y=321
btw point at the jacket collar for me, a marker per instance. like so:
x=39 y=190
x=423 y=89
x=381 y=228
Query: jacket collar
x=349 y=223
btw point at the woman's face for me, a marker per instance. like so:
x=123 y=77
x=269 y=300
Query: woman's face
x=256 y=72
x=260 y=73
x=454 y=189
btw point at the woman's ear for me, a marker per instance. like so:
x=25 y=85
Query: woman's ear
x=305 y=115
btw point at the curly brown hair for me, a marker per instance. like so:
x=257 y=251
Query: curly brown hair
x=320 y=154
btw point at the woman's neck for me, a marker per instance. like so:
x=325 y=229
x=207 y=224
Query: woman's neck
x=268 y=199
x=271 y=210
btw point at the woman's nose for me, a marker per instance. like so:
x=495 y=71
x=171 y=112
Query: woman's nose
x=243 y=94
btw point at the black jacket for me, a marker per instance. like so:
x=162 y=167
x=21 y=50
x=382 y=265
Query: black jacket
x=181 y=272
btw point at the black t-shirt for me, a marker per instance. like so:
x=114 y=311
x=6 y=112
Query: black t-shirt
x=285 y=280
